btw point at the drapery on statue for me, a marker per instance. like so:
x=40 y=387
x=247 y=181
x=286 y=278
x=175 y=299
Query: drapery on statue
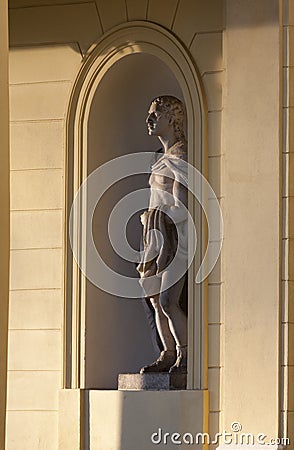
x=166 y=257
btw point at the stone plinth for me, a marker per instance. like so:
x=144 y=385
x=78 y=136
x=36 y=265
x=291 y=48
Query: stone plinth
x=129 y=419
x=151 y=381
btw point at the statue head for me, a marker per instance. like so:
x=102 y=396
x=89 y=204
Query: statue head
x=173 y=110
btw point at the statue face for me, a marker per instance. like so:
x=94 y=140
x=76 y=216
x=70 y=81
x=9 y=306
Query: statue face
x=158 y=124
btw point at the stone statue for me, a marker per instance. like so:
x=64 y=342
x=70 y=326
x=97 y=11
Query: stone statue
x=167 y=213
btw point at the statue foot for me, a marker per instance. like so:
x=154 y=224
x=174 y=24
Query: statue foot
x=162 y=364
x=180 y=366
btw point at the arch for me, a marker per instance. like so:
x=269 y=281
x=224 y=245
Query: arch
x=127 y=39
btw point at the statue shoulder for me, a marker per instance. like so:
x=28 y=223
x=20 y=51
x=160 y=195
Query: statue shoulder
x=179 y=149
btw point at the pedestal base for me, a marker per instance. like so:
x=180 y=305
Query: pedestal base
x=132 y=420
x=151 y=381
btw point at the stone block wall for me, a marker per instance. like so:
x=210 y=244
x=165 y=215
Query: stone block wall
x=48 y=42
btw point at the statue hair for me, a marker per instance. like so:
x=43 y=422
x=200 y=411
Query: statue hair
x=172 y=106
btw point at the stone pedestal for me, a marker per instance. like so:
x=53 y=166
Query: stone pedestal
x=116 y=420
x=151 y=381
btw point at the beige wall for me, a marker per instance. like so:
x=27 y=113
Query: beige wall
x=53 y=40
x=41 y=80
x=4 y=200
x=40 y=83
x=251 y=208
x=287 y=361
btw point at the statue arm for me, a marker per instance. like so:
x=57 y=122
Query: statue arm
x=178 y=211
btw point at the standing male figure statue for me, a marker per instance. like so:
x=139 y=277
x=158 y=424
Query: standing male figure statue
x=162 y=270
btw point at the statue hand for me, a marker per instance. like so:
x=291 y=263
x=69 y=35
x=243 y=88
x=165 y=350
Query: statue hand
x=144 y=217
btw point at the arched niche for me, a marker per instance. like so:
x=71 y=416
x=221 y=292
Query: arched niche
x=129 y=67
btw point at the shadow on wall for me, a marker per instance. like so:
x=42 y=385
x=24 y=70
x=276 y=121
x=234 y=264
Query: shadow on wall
x=118 y=338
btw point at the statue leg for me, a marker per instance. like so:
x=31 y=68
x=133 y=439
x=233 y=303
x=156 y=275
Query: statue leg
x=177 y=320
x=169 y=302
x=163 y=326
x=168 y=356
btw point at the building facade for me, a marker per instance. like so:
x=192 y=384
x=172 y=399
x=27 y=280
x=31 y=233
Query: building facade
x=80 y=76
